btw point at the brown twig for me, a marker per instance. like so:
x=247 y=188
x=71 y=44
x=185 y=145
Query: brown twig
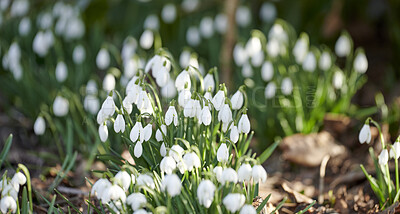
x=321 y=178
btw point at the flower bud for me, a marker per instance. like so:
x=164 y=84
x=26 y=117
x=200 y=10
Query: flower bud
x=103 y=132
x=287 y=86
x=119 y=124
x=206 y=116
x=310 y=62
x=40 y=126
x=267 y=71
x=219 y=100
x=103 y=59
x=259 y=174
x=167 y=165
x=222 y=153
x=168 y=13
x=161 y=132
x=270 y=90
x=395 y=151
x=360 y=63
x=383 y=157
x=205 y=193
x=365 y=134
x=343 y=46
x=146 y=39
x=163 y=150
x=171 y=116
x=244 y=124
x=209 y=83
x=325 y=61
x=60 y=106
x=237 y=100
x=61 y=71
x=138 y=150
x=244 y=172
x=183 y=81
x=234 y=135
x=172 y=184
x=234 y=201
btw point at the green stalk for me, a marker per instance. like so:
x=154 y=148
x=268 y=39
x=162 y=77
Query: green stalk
x=396 y=162
x=28 y=183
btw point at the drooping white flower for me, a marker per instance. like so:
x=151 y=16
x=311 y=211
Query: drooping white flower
x=184 y=97
x=237 y=100
x=247 y=70
x=103 y=132
x=168 y=13
x=248 y=209
x=169 y=90
x=19 y=178
x=229 y=175
x=244 y=172
x=218 y=173
x=42 y=42
x=79 y=54
x=91 y=104
x=240 y=55
x=244 y=124
x=24 y=26
x=225 y=127
x=161 y=132
x=136 y=200
x=219 y=100
x=268 y=12
x=39 y=126
x=267 y=71
x=395 y=151
x=310 y=62
x=338 y=79
x=167 y=165
x=209 y=83
x=109 y=82
x=116 y=193
x=257 y=59
x=145 y=180
x=222 y=153
x=360 y=63
x=181 y=166
x=270 y=90
x=119 y=124
x=286 y=86
x=206 y=27
x=163 y=150
x=205 y=193
x=259 y=174
x=243 y=16
x=184 y=58
x=138 y=150
x=193 y=36
x=135 y=131
x=127 y=106
x=273 y=47
x=234 y=201
x=176 y=152
x=151 y=22
x=144 y=103
x=208 y=96
x=19 y=8
x=124 y=179
x=172 y=184
x=103 y=59
x=206 y=116
x=383 y=157
x=325 y=61
x=220 y=23
x=146 y=133
x=108 y=106
x=7 y=203
x=183 y=81
x=171 y=116
x=60 y=106
x=146 y=39
x=365 y=134
x=234 y=135
x=343 y=46
x=99 y=187
x=190 y=109
x=225 y=115
x=191 y=160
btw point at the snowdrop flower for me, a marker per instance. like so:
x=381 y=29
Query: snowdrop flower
x=229 y=175
x=135 y=131
x=248 y=209
x=395 y=151
x=206 y=27
x=151 y=22
x=240 y=54
x=222 y=153
x=145 y=180
x=11 y=190
x=273 y=47
x=136 y=201
x=169 y=90
x=103 y=59
x=244 y=124
x=267 y=71
x=138 y=150
x=172 y=184
x=301 y=48
x=189 y=109
x=116 y=193
x=144 y=103
x=8 y=203
x=123 y=178
x=205 y=193
x=268 y=12
x=365 y=134
x=184 y=97
x=39 y=126
x=253 y=46
x=343 y=46
x=4 y=4
x=60 y=106
x=237 y=100
x=101 y=117
x=218 y=173
x=225 y=115
x=42 y=42
x=206 y=116
x=383 y=157
x=103 y=132
x=181 y=166
x=171 y=116
x=183 y=81
x=325 y=61
x=184 y=59
x=160 y=132
x=310 y=62
x=130 y=67
x=100 y=187
x=19 y=8
x=146 y=133
x=19 y=178
x=338 y=79
x=91 y=104
x=220 y=23
x=61 y=71
x=168 y=13
x=257 y=59
x=192 y=161
x=109 y=82
x=189 y=5
x=167 y=165
x=259 y=174
x=193 y=36
x=24 y=26
x=244 y=172
x=233 y=201
x=287 y=86
x=79 y=54
x=243 y=16
x=360 y=63
x=119 y=124
x=176 y=152
x=247 y=70
x=219 y=100
x=108 y=106
x=225 y=127
x=209 y=83
x=234 y=135
x=270 y=90
x=147 y=39
x=128 y=48
x=163 y=150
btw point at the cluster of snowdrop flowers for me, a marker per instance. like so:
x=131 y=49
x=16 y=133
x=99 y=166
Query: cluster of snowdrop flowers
x=193 y=145
x=10 y=188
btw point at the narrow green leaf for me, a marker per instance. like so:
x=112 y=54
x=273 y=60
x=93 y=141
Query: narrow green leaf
x=307 y=208
x=267 y=153
x=262 y=205
x=6 y=148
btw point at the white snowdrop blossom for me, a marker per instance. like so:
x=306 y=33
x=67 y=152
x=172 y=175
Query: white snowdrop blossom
x=189 y=109
x=338 y=79
x=183 y=81
x=168 y=13
x=119 y=124
x=244 y=124
x=205 y=193
x=300 y=49
x=191 y=160
x=220 y=23
x=222 y=153
x=206 y=27
x=383 y=157
x=7 y=203
x=273 y=47
x=267 y=71
x=234 y=201
x=146 y=133
x=42 y=42
x=144 y=103
x=365 y=134
x=234 y=135
x=135 y=131
x=343 y=46
x=147 y=39
x=229 y=175
x=123 y=178
x=244 y=172
x=247 y=70
x=108 y=106
x=259 y=174
x=116 y=193
x=193 y=36
x=138 y=150
x=243 y=16
x=109 y=82
x=19 y=8
x=325 y=61
x=79 y=54
x=225 y=115
x=310 y=62
x=60 y=106
x=169 y=90
x=151 y=22
x=172 y=184
x=99 y=187
x=160 y=132
x=176 y=152
x=206 y=116
x=39 y=127
x=92 y=104
x=248 y=209
x=240 y=55
x=19 y=178
x=219 y=100
x=268 y=12
x=270 y=90
x=360 y=63
x=167 y=165
x=184 y=97
x=24 y=26
x=287 y=86
x=103 y=59
x=136 y=200
x=163 y=150
x=103 y=132
x=171 y=116
x=237 y=100
x=61 y=71
x=218 y=173
x=395 y=151
x=209 y=83
x=145 y=180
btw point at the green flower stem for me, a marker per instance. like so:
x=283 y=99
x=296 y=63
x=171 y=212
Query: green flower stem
x=379 y=130
x=28 y=183
x=396 y=162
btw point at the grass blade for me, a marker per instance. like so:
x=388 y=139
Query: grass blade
x=262 y=205
x=5 y=150
x=307 y=208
